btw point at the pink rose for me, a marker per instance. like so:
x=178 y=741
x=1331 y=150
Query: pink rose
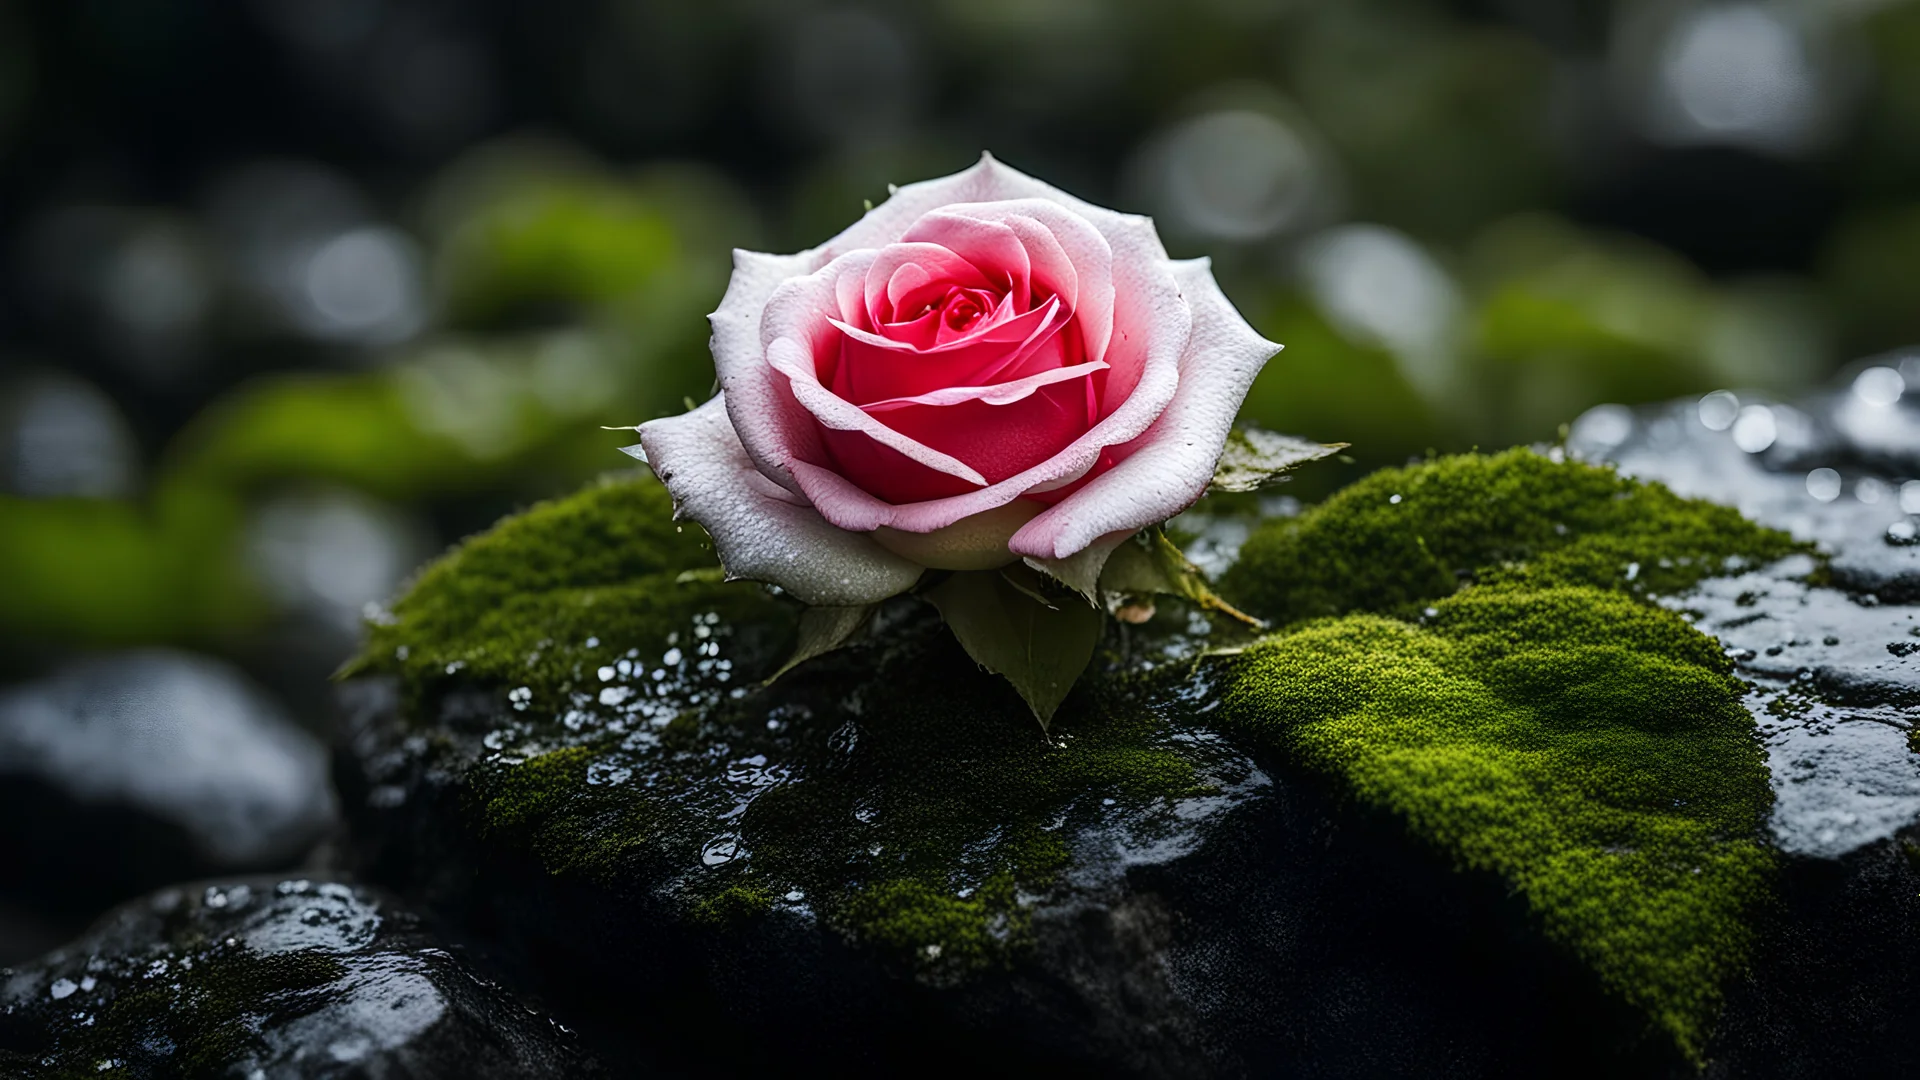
x=981 y=370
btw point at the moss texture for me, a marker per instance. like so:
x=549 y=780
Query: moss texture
x=891 y=790
x=190 y=1011
x=1401 y=538
x=1544 y=723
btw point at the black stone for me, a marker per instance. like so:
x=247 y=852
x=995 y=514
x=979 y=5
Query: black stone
x=1266 y=929
x=126 y=771
x=269 y=977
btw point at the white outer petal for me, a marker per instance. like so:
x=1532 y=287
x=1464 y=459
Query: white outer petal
x=762 y=531
x=739 y=360
x=988 y=180
x=1174 y=460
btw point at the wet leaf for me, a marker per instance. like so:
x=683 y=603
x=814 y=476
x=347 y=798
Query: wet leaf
x=1016 y=623
x=1150 y=565
x=822 y=630
x=1254 y=458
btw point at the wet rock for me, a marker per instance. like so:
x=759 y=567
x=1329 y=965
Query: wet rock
x=130 y=770
x=560 y=741
x=268 y=977
x=880 y=858
x=1828 y=643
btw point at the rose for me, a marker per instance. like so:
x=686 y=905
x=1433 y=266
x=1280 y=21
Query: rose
x=981 y=370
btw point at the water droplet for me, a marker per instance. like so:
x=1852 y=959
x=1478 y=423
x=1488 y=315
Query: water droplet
x=614 y=695
x=1394 y=499
x=720 y=850
x=1879 y=386
x=606 y=772
x=1902 y=533
x=62 y=989
x=1718 y=409
x=1633 y=570
x=672 y=659
x=1823 y=484
x=593 y=643
x=1755 y=429
x=795 y=896
x=606 y=674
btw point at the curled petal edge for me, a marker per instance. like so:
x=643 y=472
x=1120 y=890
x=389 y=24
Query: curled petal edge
x=761 y=531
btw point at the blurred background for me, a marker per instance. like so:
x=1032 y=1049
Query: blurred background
x=294 y=293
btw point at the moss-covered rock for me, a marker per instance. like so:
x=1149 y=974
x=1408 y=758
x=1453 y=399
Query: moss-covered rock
x=631 y=753
x=1479 y=660
x=1403 y=537
x=269 y=977
x=563 y=741
x=1589 y=749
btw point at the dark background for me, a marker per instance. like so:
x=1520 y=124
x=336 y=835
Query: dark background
x=295 y=292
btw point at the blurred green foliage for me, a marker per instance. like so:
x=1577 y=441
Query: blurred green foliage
x=572 y=298
x=562 y=293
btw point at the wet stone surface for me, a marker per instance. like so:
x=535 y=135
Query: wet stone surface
x=561 y=742
x=159 y=766
x=270 y=978
x=872 y=863
x=881 y=857
x=1834 y=650
x=1831 y=652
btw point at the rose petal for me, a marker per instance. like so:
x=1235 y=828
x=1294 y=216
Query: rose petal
x=1005 y=393
x=763 y=412
x=1167 y=469
x=1160 y=344
x=994 y=249
x=794 y=360
x=998 y=440
x=873 y=368
x=988 y=180
x=761 y=531
x=899 y=269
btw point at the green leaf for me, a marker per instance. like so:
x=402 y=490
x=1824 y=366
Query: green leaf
x=822 y=630
x=1254 y=458
x=1149 y=564
x=1016 y=624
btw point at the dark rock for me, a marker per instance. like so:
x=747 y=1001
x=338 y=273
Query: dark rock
x=263 y=977
x=1251 y=924
x=126 y=771
x=1825 y=642
x=560 y=743
x=1819 y=638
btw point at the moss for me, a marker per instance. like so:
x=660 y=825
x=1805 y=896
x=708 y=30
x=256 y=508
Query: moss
x=946 y=934
x=1404 y=537
x=1588 y=748
x=549 y=596
x=192 y=1013
x=891 y=788
x=734 y=904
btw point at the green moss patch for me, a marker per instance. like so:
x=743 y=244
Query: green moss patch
x=548 y=597
x=1404 y=537
x=894 y=790
x=1469 y=647
x=191 y=1011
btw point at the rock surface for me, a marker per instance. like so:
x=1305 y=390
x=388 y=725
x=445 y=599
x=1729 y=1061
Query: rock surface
x=266 y=977
x=156 y=766
x=1829 y=644
x=560 y=742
